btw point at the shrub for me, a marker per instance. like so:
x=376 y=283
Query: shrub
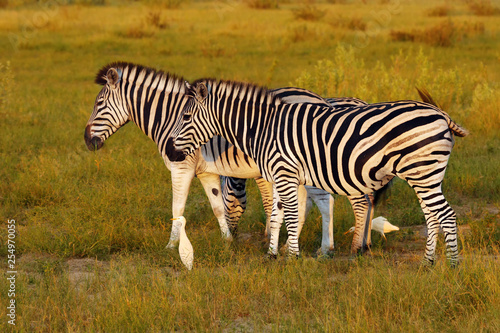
x=154 y=19
x=301 y=33
x=440 y=11
x=89 y=2
x=482 y=8
x=309 y=13
x=171 y=4
x=344 y=74
x=139 y=31
x=444 y=34
x=352 y=23
x=262 y=4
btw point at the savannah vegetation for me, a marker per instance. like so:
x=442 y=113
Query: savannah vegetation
x=92 y=227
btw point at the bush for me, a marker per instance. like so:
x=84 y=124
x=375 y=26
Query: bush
x=346 y=75
x=440 y=11
x=482 y=8
x=309 y=13
x=352 y=23
x=443 y=34
x=301 y=33
x=262 y=4
x=154 y=19
x=139 y=31
x=171 y=4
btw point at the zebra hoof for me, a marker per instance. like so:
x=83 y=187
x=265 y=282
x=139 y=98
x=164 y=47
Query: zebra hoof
x=454 y=263
x=271 y=256
x=292 y=256
x=234 y=232
x=452 y=259
x=428 y=262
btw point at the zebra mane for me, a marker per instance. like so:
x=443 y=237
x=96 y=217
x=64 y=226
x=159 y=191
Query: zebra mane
x=244 y=90
x=100 y=77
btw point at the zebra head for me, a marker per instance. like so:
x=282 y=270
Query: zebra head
x=110 y=112
x=195 y=125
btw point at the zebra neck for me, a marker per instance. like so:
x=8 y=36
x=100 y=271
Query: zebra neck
x=242 y=125
x=155 y=110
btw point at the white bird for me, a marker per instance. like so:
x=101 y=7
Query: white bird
x=185 y=248
x=379 y=224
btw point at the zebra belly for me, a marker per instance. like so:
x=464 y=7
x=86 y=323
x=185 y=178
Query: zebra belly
x=220 y=157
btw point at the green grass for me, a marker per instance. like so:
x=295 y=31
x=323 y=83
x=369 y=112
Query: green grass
x=382 y=294
x=73 y=206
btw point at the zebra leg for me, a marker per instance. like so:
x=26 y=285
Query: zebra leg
x=211 y=184
x=302 y=197
x=182 y=173
x=275 y=223
x=436 y=208
x=426 y=181
x=324 y=201
x=266 y=192
x=235 y=201
x=363 y=212
x=288 y=192
x=432 y=234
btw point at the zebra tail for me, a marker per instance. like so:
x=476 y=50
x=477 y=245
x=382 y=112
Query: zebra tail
x=454 y=127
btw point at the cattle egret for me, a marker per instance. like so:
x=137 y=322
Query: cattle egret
x=379 y=224
x=185 y=248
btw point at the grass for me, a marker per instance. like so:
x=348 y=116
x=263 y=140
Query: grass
x=250 y=294
x=92 y=227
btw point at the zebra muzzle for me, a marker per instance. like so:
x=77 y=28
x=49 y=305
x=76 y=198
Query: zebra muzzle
x=173 y=154
x=93 y=143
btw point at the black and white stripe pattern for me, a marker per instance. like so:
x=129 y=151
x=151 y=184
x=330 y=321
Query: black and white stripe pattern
x=234 y=193
x=353 y=151
x=153 y=100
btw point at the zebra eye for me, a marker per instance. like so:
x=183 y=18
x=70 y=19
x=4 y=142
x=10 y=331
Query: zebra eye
x=186 y=117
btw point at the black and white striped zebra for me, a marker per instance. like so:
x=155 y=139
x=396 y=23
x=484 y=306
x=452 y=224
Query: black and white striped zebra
x=234 y=193
x=353 y=151
x=153 y=100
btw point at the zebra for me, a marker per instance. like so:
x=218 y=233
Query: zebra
x=233 y=189
x=153 y=100
x=352 y=151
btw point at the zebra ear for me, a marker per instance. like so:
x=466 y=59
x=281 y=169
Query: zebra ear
x=202 y=91
x=188 y=86
x=113 y=76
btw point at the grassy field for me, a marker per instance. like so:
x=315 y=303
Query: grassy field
x=91 y=228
